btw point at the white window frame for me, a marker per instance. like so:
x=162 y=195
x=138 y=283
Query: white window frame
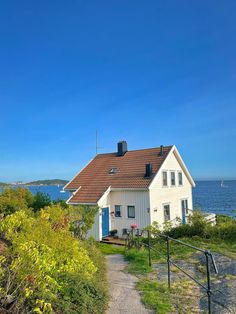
x=165 y=186
x=172 y=171
x=128 y=212
x=186 y=209
x=163 y=207
x=178 y=178
x=120 y=211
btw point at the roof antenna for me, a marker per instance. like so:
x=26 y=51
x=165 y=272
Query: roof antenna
x=97 y=147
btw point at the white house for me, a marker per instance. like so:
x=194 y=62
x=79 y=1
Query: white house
x=134 y=187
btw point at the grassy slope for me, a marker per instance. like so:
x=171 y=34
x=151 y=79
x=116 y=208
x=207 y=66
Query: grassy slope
x=108 y=249
x=155 y=295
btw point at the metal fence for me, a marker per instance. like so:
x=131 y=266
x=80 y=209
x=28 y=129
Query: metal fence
x=134 y=239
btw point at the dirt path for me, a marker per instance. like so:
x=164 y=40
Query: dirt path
x=124 y=297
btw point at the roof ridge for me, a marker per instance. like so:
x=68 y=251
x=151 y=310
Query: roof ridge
x=135 y=150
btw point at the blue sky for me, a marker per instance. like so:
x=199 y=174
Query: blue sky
x=149 y=72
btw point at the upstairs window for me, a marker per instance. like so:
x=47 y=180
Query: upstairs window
x=166 y=212
x=117 y=211
x=131 y=211
x=172 y=178
x=164 y=178
x=180 y=177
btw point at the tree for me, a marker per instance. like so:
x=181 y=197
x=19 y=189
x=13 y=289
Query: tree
x=40 y=200
x=12 y=200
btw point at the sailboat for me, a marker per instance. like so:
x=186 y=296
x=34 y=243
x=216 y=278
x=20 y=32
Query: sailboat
x=223 y=185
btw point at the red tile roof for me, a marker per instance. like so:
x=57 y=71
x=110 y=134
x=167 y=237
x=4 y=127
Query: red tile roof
x=95 y=178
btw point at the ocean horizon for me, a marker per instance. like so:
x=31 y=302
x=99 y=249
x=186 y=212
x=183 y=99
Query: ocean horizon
x=213 y=196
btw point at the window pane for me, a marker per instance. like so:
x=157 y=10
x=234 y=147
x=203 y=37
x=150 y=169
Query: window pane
x=172 y=175
x=117 y=211
x=184 y=205
x=131 y=212
x=180 y=178
x=164 y=177
x=166 y=212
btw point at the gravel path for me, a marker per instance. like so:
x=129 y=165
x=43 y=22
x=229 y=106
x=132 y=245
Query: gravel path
x=124 y=298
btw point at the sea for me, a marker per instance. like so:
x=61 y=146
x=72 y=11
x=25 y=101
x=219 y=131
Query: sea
x=209 y=196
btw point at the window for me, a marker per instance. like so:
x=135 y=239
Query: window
x=113 y=170
x=166 y=212
x=117 y=211
x=180 y=176
x=131 y=211
x=164 y=178
x=184 y=205
x=172 y=178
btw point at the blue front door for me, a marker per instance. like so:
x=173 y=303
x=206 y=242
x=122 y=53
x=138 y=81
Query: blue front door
x=105 y=221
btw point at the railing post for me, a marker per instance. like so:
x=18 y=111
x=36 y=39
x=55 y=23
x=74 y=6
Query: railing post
x=149 y=248
x=208 y=281
x=137 y=235
x=168 y=258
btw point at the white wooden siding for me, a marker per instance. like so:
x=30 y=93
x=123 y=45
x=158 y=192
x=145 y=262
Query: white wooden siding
x=96 y=231
x=172 y=195
x=139 y=199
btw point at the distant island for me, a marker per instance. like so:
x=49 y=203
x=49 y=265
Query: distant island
x=36 y=183
x=48 y=182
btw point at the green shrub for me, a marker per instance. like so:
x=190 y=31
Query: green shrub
x=197 y=227
x=225 y=231
x=82 y=296
x=12 y=200
x=40 y=200
x=84 y=221
x=46 y=269
x=225 y=228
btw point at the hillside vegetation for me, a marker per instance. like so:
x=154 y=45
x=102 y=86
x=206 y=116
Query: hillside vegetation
x=46 y=266
x=48 y=182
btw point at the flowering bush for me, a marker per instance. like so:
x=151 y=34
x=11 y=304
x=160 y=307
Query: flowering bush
x=44 y=258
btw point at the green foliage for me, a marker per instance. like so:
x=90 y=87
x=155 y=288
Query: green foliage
x=138 y=261
x=108 y=249
x=84 y=221
x=154 y=228
x=12 y=200
x=62 y=203
x=155 y=296
x=223 y=218
x=46 y=269
x=40 y=200
x=82 y=296
x=225 y=229
x=197 y=227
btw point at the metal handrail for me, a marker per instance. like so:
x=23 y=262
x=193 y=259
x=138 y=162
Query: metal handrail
x=208 y=257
